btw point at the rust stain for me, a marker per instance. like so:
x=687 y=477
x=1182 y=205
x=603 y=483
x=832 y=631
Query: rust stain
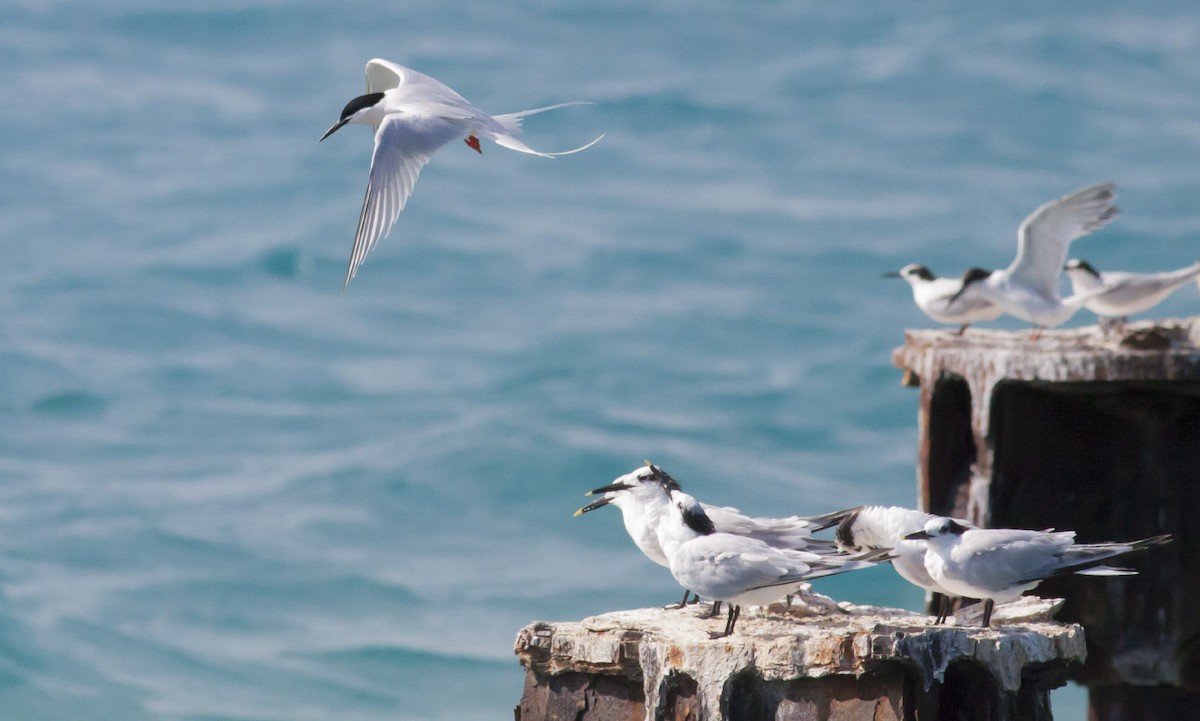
x=674 y=657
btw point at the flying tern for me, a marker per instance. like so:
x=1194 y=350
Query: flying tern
x=999 y=564
x=414 y=115
x=1028 y=287
x=936 y=297
x=1124 y=294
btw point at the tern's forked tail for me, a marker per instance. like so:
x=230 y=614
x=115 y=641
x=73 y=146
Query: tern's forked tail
x=511 y=122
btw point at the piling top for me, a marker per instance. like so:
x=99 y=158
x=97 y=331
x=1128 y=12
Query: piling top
x=650 y=644
x=1147 y=350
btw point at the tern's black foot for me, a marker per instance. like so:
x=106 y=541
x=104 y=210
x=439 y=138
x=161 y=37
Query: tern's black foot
x=681 y=604
x=988 y=605
x=943 y=609
x=714 y=611
x=734 y=612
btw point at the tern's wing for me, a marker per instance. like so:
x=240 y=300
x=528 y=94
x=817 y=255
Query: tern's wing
x=403 y=145
x=829 y=567
x=780 y=532
x=723 y=565
x=384 y=75
x=1000 y=557
x=1148 y=284
x=1087 y=558
x=1043 y=238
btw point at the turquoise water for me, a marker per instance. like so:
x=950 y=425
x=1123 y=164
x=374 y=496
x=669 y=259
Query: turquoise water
x=229 y=490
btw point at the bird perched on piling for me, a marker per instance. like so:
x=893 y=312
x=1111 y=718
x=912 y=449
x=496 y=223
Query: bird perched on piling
x=1028 y=287
x=640 y=497
x=1123 y=293
x=873 y=528
x=933 y=295
x=739 y=570
x=999 y=564
x=414 y=115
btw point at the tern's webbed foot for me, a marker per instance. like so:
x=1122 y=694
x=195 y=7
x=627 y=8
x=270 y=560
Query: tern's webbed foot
x=473 y=143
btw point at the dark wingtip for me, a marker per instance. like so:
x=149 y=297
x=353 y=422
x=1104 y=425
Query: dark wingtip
x=845 y=531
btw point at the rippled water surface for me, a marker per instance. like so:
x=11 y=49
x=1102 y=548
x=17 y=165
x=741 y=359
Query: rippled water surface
x=230 y=490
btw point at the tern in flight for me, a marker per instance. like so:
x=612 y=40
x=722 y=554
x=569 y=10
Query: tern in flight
x=414 y=115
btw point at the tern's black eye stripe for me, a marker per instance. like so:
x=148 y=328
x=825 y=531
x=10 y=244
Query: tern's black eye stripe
x=362 y=101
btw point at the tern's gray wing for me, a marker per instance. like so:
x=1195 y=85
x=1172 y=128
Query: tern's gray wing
x=1144 y=290
x=404 y=143
x=1044 y=236
x=789 y=532
x=1087 y=558
x=1002 y=558
x=723 y=566
x=830 y=567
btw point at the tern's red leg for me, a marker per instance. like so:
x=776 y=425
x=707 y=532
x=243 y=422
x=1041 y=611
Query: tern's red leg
x=473 y=143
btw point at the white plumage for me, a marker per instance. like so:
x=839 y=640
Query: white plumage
x=414 y=115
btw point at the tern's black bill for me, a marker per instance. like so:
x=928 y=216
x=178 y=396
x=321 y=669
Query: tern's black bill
x=918 y=536
x=891 y=274
x=332 y=130
x=593 y=506
x=610 y=488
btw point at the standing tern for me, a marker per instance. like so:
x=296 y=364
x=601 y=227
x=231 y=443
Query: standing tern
x=736 y=569
x=1123 y=293
x=937 y=297
x=999 y=564
x=884 y=528
x=414 y=115
x=643 y=496
x=1028 y=287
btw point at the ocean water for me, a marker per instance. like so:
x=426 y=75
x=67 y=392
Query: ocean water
x=231 y=491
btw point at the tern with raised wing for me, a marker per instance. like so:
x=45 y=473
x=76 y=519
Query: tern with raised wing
x=1029 y=287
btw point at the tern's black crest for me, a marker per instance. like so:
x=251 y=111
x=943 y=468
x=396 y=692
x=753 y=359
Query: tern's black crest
x=845 y=531
x=697 y=520
x=661 y=476
x=974 y=274
x=362 y=101
x=923 y=273
x=1084 y=265
x=953 y=527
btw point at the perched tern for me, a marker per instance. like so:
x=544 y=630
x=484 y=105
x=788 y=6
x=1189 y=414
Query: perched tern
x=999 y=564
x=643 y=496
x=935 y=297
x=414 y=115
x=1123 y=293
x=1028 y=288
x=735 y=569
x=873 y=528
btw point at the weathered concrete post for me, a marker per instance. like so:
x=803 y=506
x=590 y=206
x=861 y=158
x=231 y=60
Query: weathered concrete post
x=1094 y=434
x=867 y=664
